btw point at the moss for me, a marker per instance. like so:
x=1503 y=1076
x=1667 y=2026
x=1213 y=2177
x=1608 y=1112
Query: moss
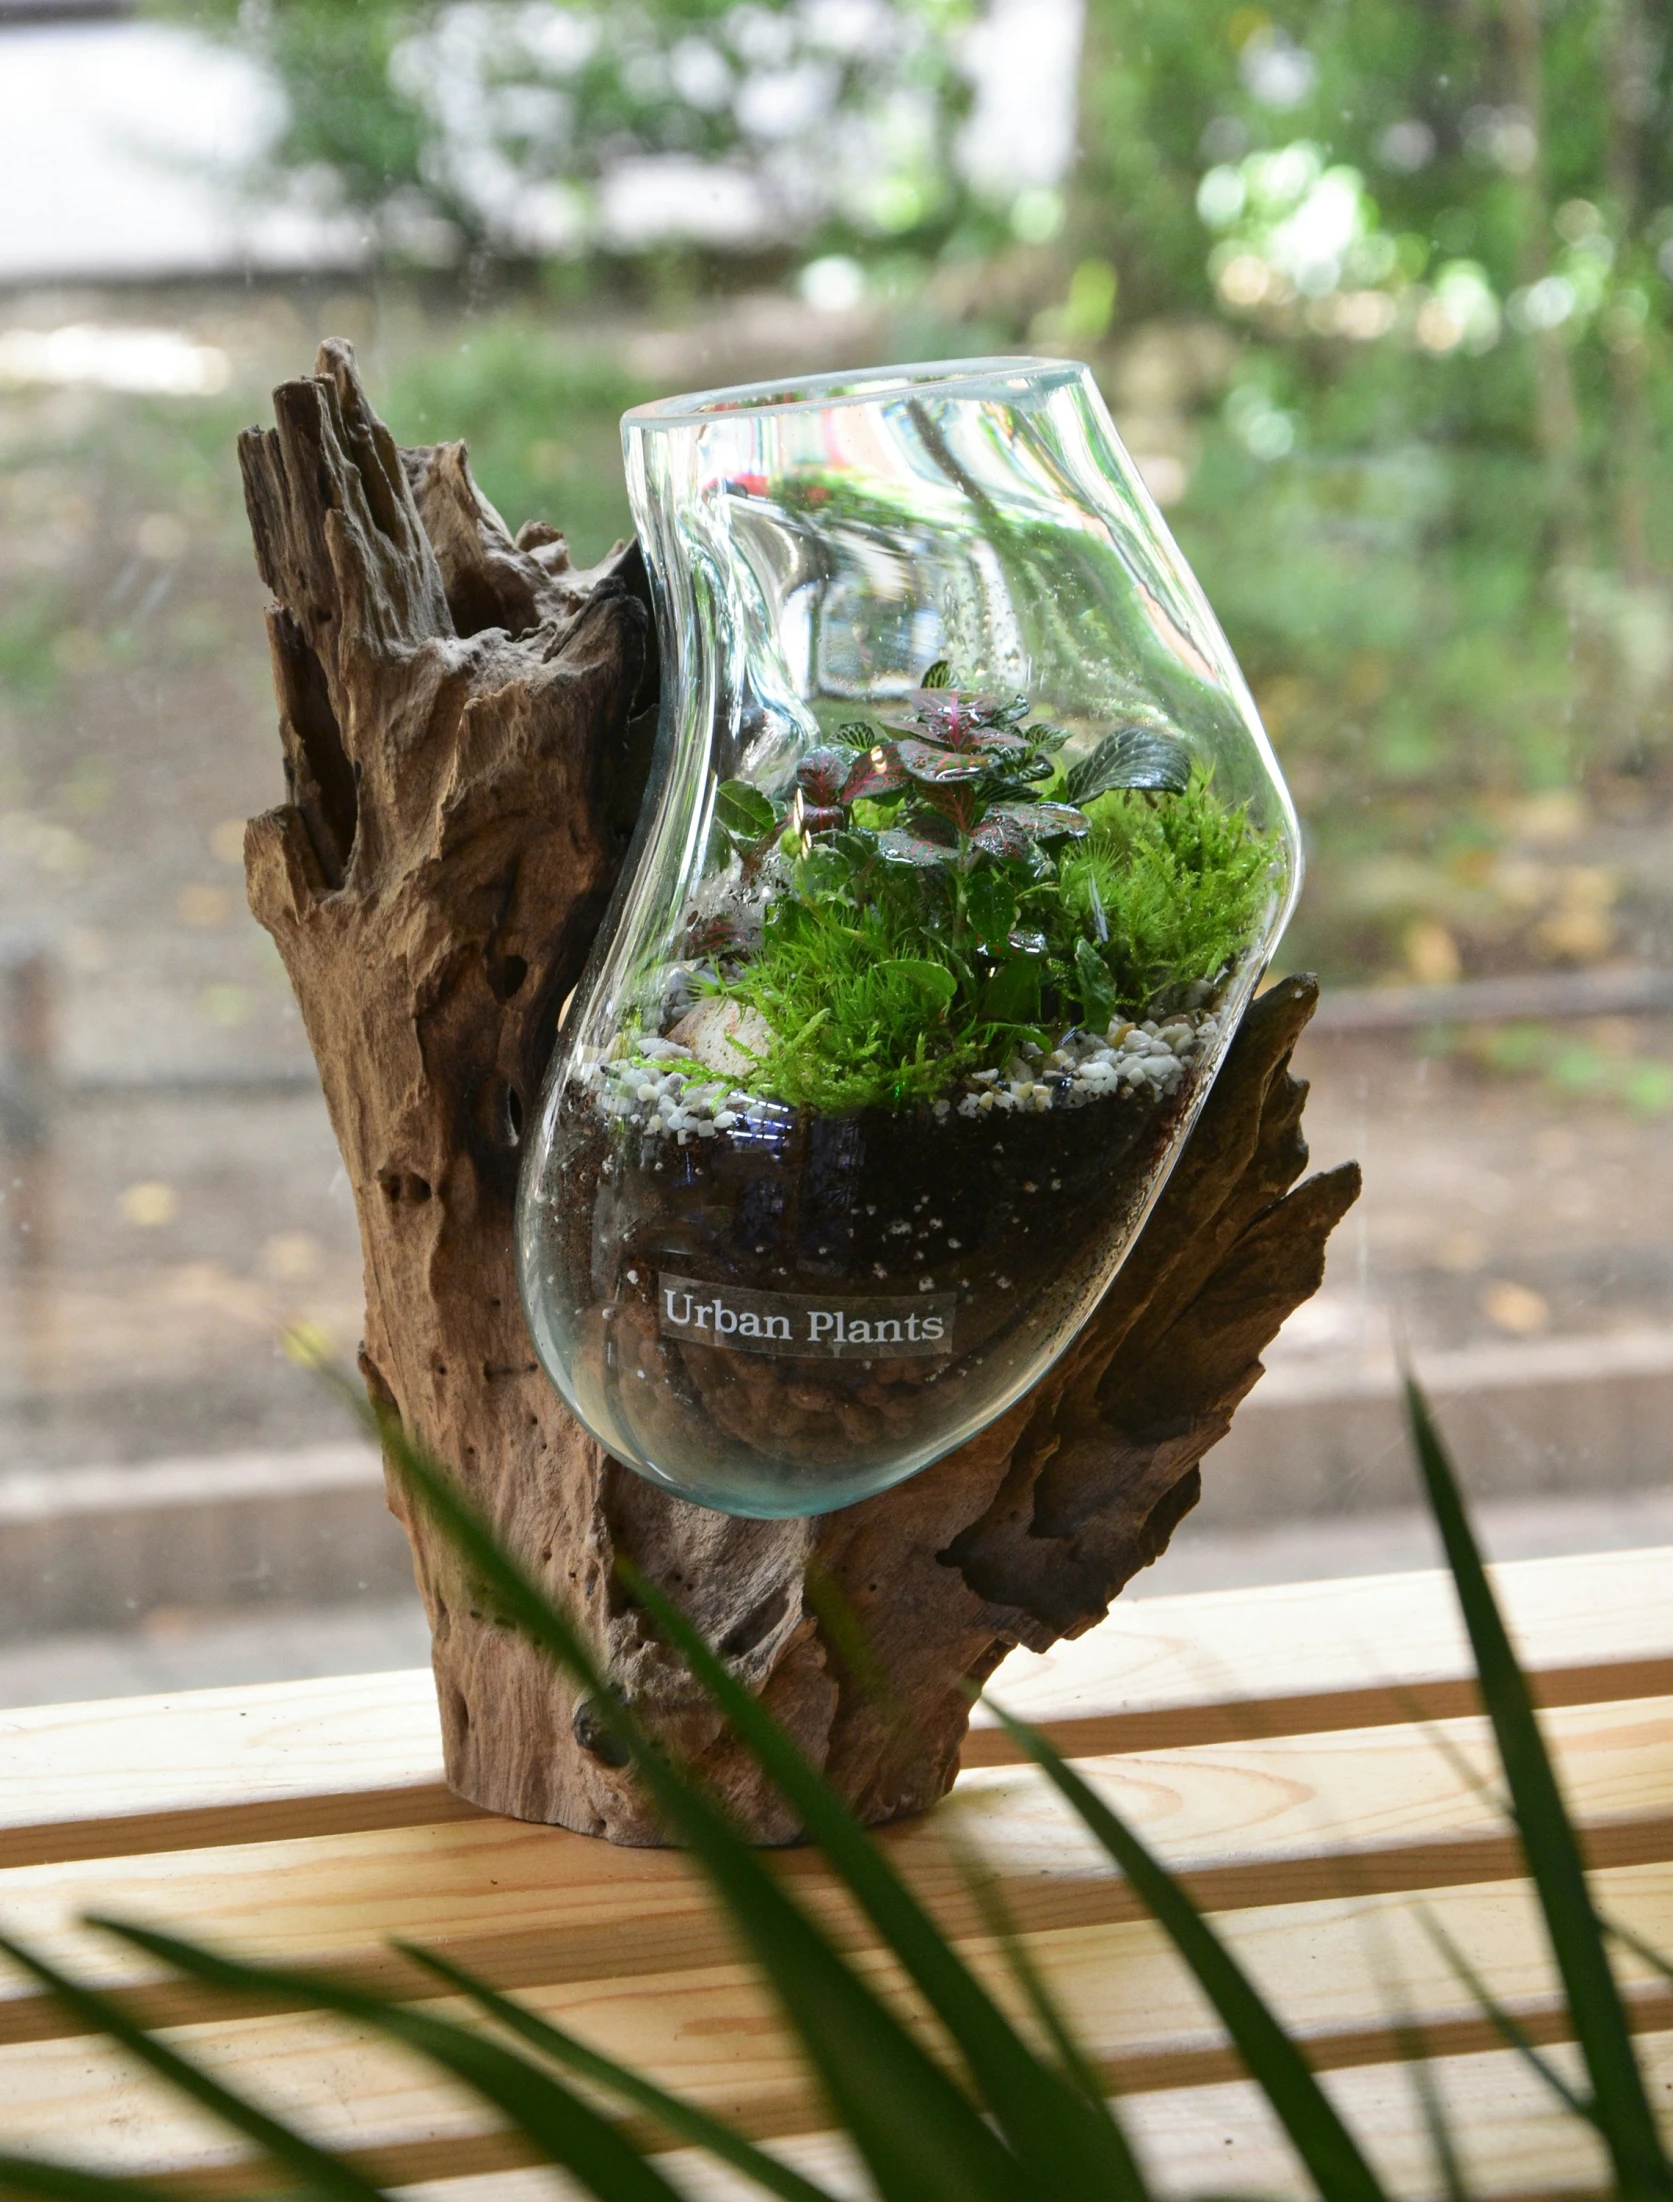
x=865 y=1003
x=883 y=991
x=935 y=894
x=1183 y=884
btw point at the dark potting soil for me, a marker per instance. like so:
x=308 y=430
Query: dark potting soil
x=1004 y=1226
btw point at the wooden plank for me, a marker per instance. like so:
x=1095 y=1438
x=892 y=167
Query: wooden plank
x=1288 y=1659
x=1514 y=2140
x=1333 y=1969
x=257 y=1764
x=1281 y=1821
x=250 y=1764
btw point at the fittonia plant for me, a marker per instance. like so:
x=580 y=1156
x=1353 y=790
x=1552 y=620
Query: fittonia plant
x=910 y=993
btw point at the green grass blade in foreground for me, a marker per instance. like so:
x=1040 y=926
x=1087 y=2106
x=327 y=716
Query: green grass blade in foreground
x=69 y=2183
x=1654 y=1958
x=1064 y=2137
x=1622 y=2103
x=1510 y=2031
x=921 y=2137
x=989 y=1898
x=572 y=2132
x=319 y=2172
x=1321 y=2140
x=1432 y=2110
x=680 y=2118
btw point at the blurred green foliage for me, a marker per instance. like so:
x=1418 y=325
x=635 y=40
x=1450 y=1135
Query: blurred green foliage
x=541 y=421
x=1382 y=294
x=499 y=130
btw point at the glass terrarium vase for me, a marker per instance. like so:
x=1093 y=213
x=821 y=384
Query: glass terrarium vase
x=964 y=851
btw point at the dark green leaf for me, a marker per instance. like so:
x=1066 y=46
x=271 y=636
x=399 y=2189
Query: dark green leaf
x=1008 y=829
x=1322 y=2141
x=322 y=2174
x=899 y=845
x=931 y=979
x=1131 y=757
x=1652 y=1957
x=571 y=2131
x=1012 y=995
x=934 y=766
x=1074 y=2149
x=681 y=2118
x=1001 y=836
x=938 y=675
x=1073 y=2061
x=744 y=811
x=789 y=920
x=1619 y=2099
x=1097 y=989
x=921 y=2137
x=990 y=903
x=826 y=870
x=69 y=2183
x=1505 y=2023
x=1042 y=821
x=994 y=741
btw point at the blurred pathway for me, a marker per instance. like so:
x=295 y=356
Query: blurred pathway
x=182 y=1651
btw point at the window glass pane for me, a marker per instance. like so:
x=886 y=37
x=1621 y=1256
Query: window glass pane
x=1381 y=298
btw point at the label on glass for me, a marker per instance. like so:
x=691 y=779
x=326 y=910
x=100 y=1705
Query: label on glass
x=803 y=1325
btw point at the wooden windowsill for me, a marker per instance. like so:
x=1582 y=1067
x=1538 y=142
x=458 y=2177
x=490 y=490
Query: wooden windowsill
x=1277 y=1746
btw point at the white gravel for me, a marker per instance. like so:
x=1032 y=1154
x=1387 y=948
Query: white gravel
x=669 y=1092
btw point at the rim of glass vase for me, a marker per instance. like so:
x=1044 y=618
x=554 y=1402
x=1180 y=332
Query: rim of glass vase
x=847 y=386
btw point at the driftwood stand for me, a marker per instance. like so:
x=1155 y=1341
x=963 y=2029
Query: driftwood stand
x=466 y=722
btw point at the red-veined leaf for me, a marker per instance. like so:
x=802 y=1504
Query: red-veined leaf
x=934 y=766
x=958 y=801
x=898 y=845
x=1040 y=821
x=822 y=775
x=877 y=771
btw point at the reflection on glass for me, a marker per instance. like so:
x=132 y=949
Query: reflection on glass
x=966 y=852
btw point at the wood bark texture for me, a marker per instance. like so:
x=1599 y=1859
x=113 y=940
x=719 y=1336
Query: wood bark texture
x=466 y=723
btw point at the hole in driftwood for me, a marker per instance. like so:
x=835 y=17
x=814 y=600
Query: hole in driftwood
x=594 y=1737
x=496 y=1111
x=756 y=1625
x=506 y=975
x=403 y=1185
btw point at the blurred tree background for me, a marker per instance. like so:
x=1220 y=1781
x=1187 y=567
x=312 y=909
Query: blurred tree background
x=1380 y=292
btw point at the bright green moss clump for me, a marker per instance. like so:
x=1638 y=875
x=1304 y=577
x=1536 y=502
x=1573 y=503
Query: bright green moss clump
x=1183 y=884
x=868 y=1013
